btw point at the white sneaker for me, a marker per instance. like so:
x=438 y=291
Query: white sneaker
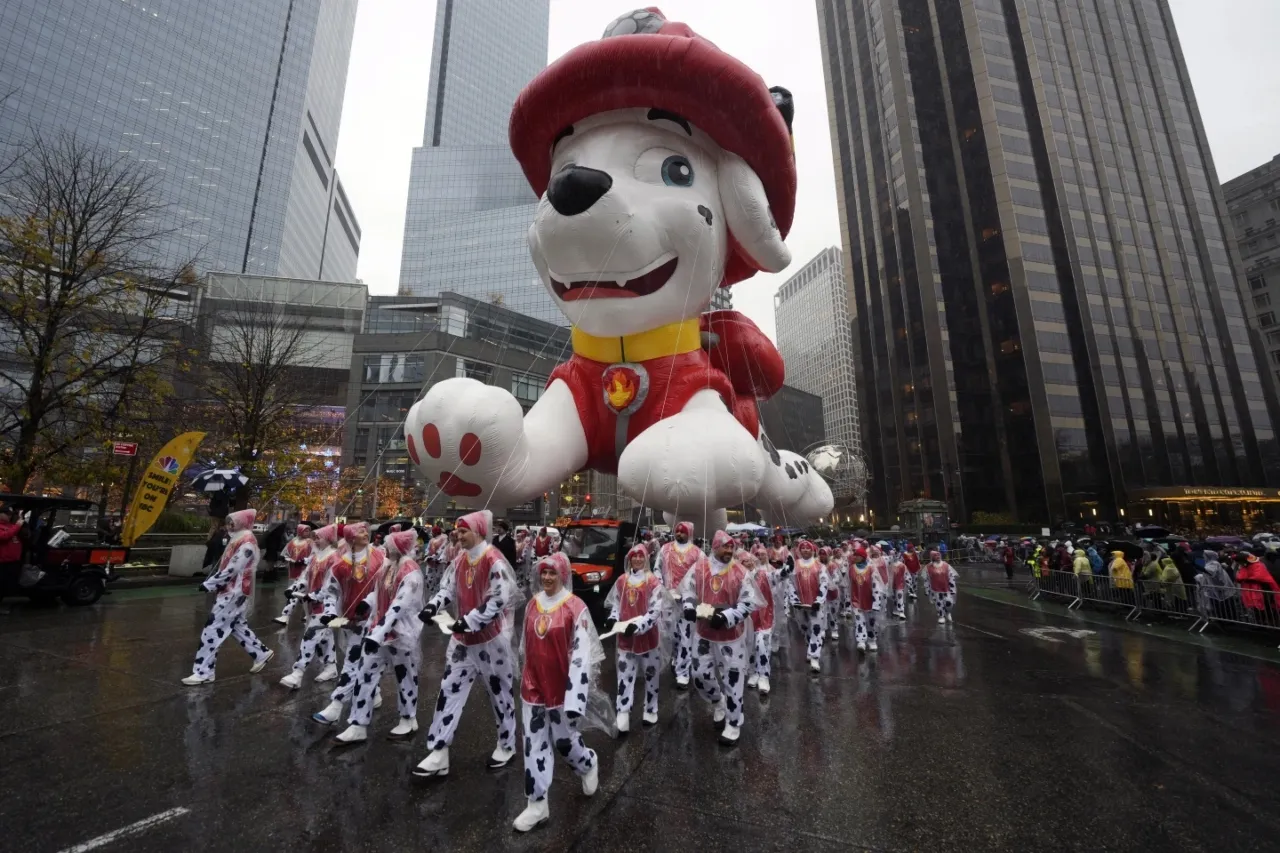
x=718 y=715
x=730 y=735
x=353 y=734
x=815 y=665
x=404 y=729
x=195 y=680
x=899 y=614
x=293 y=680
x=534 y=814
x=650 y=719
x=329 y=715
x=948 y=616
x=941 y=619
x=500 y=757
x=262 y=664
x=435 y=764
x=862 y=646
x=753 y=680
x=329 y=673
x=281 y=620
x=835 y=633
x=764 y=688
x=623 y=722
x=682 y=681
x=871 y=646
x=591 y=780
x=377 y=697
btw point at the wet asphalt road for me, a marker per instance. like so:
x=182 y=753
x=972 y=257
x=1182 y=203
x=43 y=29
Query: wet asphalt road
x=974 y=736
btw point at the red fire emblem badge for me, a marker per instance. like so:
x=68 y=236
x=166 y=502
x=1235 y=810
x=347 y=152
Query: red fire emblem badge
x=625 y=387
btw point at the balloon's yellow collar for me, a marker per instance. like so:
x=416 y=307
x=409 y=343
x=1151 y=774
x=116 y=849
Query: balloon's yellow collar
x=672 y=339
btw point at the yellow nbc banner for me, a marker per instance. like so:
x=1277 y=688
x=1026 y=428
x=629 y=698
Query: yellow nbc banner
x=158 y=482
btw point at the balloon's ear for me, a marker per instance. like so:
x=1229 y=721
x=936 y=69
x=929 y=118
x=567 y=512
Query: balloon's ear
x=746 y=212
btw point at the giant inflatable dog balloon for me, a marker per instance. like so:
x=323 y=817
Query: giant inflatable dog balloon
x=665 y=169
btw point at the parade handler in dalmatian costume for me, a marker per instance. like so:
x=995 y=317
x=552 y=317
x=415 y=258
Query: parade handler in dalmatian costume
x=484 y=589
x=942 y=585
x=770 y=583
x=354 y=571
x=665 y=169
x=233 y=582
x=639 y=596
x=559 y=680
x=807 y=589
x=392 y=641
x=317 y=589
x=675 y=559
x=722 y=658
x=297 y=554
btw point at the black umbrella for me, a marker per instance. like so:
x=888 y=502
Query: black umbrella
x=219 y=480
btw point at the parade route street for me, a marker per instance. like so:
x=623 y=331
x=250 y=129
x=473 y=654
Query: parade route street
x=1015 y=728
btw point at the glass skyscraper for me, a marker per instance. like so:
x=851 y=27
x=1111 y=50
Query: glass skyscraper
x=235 y=104
x=1047 y=315
x=811 y=313
x=470 y=206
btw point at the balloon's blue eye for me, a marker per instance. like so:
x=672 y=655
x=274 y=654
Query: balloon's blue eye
x=677 y=171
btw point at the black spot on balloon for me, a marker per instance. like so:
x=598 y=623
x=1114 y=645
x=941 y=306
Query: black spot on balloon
x=706 y=212
x=791 y=472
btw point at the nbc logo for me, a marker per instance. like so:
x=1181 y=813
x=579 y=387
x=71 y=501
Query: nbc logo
x=169 y=465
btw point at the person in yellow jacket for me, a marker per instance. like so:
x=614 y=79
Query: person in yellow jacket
x=1121 y=577
x=1082 y=568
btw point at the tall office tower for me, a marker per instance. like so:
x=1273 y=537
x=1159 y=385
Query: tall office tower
x=1253 y=200
x=235 y=104
x=1048 y=319
x=470 y=205
x=815 y=337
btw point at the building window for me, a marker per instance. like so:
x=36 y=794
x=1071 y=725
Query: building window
x=1262 y=300
x=476 y=370
x=1275 y=356
x=527 y=389
x=394 y=367
x=1267 y=318
x=1273 y=337
x=1257 y=282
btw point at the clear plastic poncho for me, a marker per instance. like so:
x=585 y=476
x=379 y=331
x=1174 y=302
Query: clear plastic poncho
x=667 y=610
x=599 y=713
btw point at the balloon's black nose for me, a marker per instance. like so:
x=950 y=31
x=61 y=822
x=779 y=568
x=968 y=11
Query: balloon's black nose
x=574 y=189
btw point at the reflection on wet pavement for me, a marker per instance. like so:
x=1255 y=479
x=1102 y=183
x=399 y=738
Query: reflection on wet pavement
x=971 y=736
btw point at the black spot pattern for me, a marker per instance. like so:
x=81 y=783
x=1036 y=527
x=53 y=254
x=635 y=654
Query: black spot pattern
x=528 y=783
x=536 y=722
x=401 y=671
x=440 y=702
x=495 y=685
x=791 y=472
x=563 y=745
x=706 y=212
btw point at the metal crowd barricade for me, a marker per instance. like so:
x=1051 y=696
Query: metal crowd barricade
x=1097 y=589
x=1171 y=598
x=1237 y=605
x=1247 y=606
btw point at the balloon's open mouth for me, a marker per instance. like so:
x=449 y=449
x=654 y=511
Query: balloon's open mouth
x=642 y=285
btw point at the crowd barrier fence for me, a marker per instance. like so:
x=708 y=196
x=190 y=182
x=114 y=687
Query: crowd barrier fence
x=1199 y=606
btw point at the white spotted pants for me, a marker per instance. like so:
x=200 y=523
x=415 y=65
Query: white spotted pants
x=900 y=603
x=720 y=671
x=866 y=625
x=648 y=664
x=944 y=602
x=226 y=619
x=761 y=663
x=811 y=625
x=546 y=729
x=682 y=655
x=911 y=586
x=831 y=615
x=350 y=666
x=404 y=663
x=321 y=642
x=289 y=603
x=463 y=664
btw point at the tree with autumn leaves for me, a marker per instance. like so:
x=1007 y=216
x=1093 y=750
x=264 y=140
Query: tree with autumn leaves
x=89 y=340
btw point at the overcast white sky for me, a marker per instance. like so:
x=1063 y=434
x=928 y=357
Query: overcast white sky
x=1229 y=46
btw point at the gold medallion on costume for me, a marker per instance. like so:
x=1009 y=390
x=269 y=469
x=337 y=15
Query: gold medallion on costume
x=470 y=576
x=632 y=594
x=360 y=569
x=717 y=583
x=542 y=625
